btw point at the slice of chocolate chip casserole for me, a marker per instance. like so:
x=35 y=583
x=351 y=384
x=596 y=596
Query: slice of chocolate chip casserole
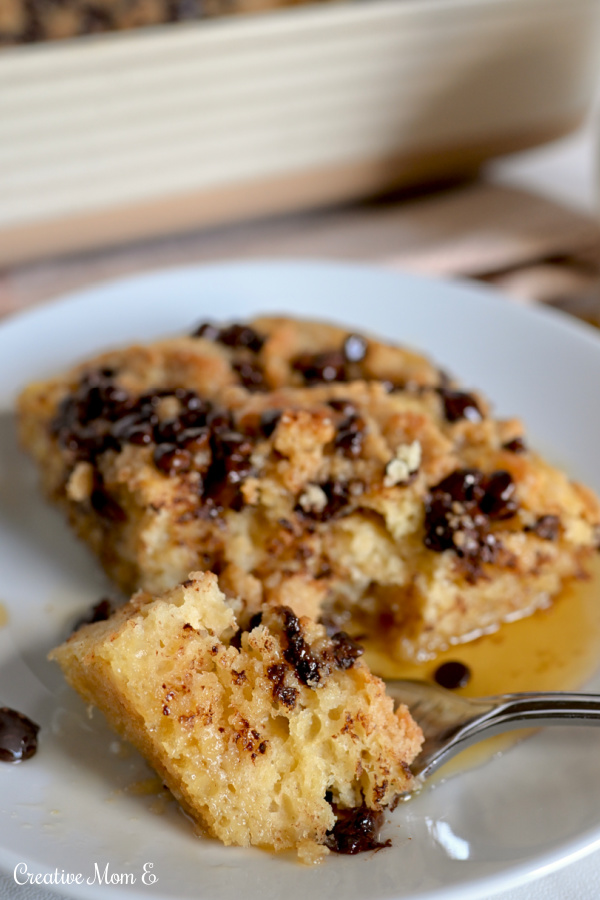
x=311 y=468
x=276 y=736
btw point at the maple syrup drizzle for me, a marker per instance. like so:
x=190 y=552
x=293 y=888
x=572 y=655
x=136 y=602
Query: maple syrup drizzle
x=557 y=648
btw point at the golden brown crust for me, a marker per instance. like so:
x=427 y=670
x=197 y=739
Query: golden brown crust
x=315 y=468
x=261 y=735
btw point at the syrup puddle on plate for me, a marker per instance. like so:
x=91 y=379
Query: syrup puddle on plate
x=555 y=649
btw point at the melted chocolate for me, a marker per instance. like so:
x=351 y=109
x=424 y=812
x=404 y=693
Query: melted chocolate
x=282 y=693
x=104 y=504
x=498 y=501
x=345 y=650
x=255 y=621
x=98 y=613
x=309 y=666
x=18 y=736
x=452 y=675
x=298 y=653
x=356 y=830
x=269 y=421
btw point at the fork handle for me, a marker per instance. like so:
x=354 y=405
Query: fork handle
x=512 y=711
x=548 y=708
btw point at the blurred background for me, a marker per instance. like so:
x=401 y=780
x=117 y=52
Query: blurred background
x=453 y=137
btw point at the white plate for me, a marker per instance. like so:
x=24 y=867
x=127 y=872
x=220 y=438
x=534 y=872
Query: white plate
x=67 y=809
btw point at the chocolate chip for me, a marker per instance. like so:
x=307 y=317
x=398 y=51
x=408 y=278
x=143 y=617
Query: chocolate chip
x=134 y=428
x=229 y=468
x=460 y=405
x=99 y=396
x=350 y=436
x=190 y=401
x=452 y=675
x=458 y=512
x=84 y=442
x=250 y=374
x=195 y=440
x=462 y=485
x=255 y=620
x=18 y=736
x=269 y=420
x=171 y=459
x=82 y=424
x=499 y=501
x=207 y=331
x=168 y=431
x=298 y=653
x=355 y=348
x=517 y=445
x=236 y=336
x=346 y=407
x=219 y=420
x=100 y=612
x=321 y=367
x=104 y=504
x=241 y=336
x=356 y=830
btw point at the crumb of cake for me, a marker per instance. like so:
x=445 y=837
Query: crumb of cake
x=404 y=463
x=272 y=735
x=314 y=467
x=313 y=499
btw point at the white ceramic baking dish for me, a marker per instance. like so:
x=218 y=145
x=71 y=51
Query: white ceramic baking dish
x=128 y=135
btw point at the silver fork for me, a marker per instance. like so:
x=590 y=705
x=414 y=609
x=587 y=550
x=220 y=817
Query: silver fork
x=451 y=722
